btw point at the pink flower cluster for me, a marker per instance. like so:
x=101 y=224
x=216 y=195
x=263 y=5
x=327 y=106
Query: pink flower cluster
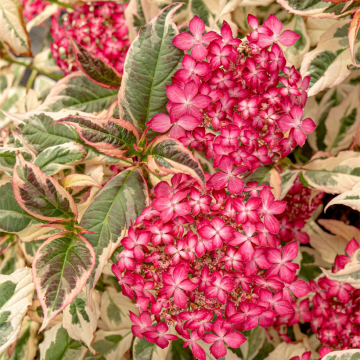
x=99 y=27
x=336 y=315
x=33 y=8
x=299 y=207
x=209 y=263
x=237 y=98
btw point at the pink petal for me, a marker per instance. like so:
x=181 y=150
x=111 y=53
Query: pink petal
x=253 y=21
x=285 y=122
x=196 y=26
x=184 y=41
x=274 y=24
x=209 y=37
x=283 y=308
x=180 y=273
x=188 y=285
x=218 y=349
x=162 y=342
x=288 y=38
x=308 y=126
x=189 y=122
x=198 y=351
x=271 y=224
x=175 y=94
x=278 y=207
x=218 y=181
x=160 y=123
x=234 y=339
x=290 y=251
x=199 y=52
x=300 y=288
x=201 y=101
x=180 y=299
x=300 y=137
x=235 y=185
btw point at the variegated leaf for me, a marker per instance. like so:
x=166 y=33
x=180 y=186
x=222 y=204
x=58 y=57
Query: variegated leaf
x=255 y=340
x=60 y=157
x=26 y=344
x=36 y=314
x=333 y=98
x=349 y=198
x=76 y=180
x=113 y=137
x=95 y=69
x=12 y=27
x=337 y=227
x=350 y=274
x=353 y=32
x=80 y=321
x=39 y=194
x=169 y=156
x=285 y=351
x=144 y=350
x=326 y=244
x=48 y=11
x=115 y=309
x=16 y=292
x=77 y=92
x=296 y=53
x=333 y=175
x=29 y=249
x=58 y=345
x=353 y=354
x=288 y=178
x=328 y=63
x=61 y=267
x=318 y=8
x=317 y=27
x=6 y=240
x=8 y=157
x=111 y=345
x=342 y=122
x=11 y=260
x=151 y=61
x=114 y=207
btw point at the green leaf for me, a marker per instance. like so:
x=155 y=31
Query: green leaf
x=11 y=260
x=328 y=63
x=310 y=264
x=318 y=8
x=58 y=345
x=335 y=174
x=255 y=340
x=113 y=137
x=166 y=156
x=5 y=241
x=40 y=132
x=8 y=157
x=115 y=309
x=26 y=343
x=61 y=267
x=179 y=352
x=16 y=292
x=13 y=218
x=77 y=92
x=41 y=195
x=144 y=350
x=353 y=354
x=80 y=321
x=60 y=157
x=114 y=207
x=150 y=64
x=265 y=350
x=95 y=69
x=111 y=345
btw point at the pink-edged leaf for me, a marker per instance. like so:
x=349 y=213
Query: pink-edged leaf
x=113 y=137
x=39 y=194
x=113 y=209
x=166 y=156
x=60 y=268
x=75 y=180
x=5 y=241
x=353 y=31
x=150 y=63
x=95 y=69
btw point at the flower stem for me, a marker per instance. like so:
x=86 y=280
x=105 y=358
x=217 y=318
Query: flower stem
x=61 y=4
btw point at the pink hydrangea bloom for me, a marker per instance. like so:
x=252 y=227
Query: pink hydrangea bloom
x=241 y=97
x=33 y=8
x=188 y=262
x=99 y=27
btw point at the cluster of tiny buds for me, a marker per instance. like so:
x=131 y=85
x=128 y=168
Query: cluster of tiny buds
x=99 y=27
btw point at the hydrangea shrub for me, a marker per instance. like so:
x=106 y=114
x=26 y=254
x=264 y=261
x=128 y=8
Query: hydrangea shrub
x=171 y=195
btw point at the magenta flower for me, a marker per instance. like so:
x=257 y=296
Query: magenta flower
x=286 y=38
x=217 y=231
x=136 y=243
x=159 y=336
x=298 y=127
x=228 y=176
x=197 y=42
x=142 y=323
x=281 y=261
x=219 y=287
x=196 y=349
x=223 y=334
x=192 y=70
x=176 y=284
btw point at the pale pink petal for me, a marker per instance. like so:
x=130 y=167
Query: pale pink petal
x=288 y=38
x=253 y=21
x=160 y=123
x=196 y=26
x=308 y=126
